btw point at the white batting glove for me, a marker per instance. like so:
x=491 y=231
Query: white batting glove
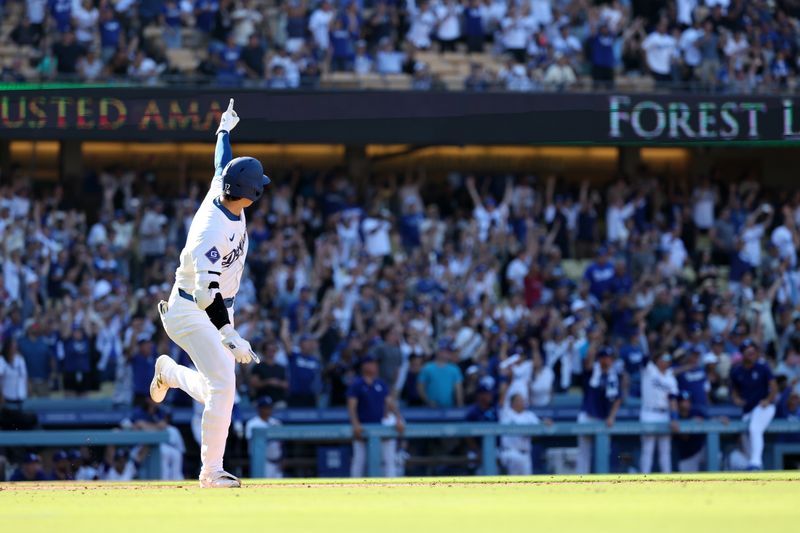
x=239 y=347
x=229 y=119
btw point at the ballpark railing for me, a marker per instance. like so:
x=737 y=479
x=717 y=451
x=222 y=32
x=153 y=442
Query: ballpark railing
x=150 y=469
x=489 y=432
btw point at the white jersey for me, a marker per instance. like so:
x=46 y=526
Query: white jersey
x=273 y=446
x=657 y=389
x=217 y=242
x=517 y=442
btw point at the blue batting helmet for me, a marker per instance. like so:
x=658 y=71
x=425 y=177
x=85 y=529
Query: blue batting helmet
x=244 y=177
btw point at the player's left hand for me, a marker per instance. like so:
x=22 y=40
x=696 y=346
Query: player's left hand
x=400 y=425
x=674 y=427
x=240 y=348
x=229 y=119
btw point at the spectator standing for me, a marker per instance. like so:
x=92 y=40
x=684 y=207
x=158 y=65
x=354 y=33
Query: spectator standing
x=111 y=34
x=659 y=405
x=440 y=381
x=305 y=371
x=274 y=452
x=319 y=24
x=268 y=378
x=142 y=368
x=39 y=360
x=601 y=399
x=85 y=17
x=601 y=55
x=369 y=401
x=252 y=58
x=754 y=389
x=75 y=355
x=67 y=52
x=423 y=22
x=542 y=381
x=13 y=388
x=515 y=450
x=693 y=380
x=661 y=52
x=61 y=13
x=410 y=391
x=448 y=28
x=474 y=32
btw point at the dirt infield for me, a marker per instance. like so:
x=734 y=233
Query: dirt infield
x=333 y=483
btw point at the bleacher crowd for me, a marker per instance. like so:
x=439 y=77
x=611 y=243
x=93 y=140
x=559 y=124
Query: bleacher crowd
x=490 y=292
x=719 y=45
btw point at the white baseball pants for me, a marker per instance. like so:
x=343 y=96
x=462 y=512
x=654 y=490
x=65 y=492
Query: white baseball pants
x=649 y=445
x=213 y=383
x=358 y=462
x=758 y=419
x=516 y=462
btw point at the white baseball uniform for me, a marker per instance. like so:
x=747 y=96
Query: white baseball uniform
x=515 y=453
x=215 y=246
x=657 y=388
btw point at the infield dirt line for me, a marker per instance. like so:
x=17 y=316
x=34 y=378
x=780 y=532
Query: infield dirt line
x=337 y=484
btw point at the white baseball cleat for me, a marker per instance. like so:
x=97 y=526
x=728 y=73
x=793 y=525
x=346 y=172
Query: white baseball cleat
x=220 y=480
x=159 y=387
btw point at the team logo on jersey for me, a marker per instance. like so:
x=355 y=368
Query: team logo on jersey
x=234 y=254
x=213 y=255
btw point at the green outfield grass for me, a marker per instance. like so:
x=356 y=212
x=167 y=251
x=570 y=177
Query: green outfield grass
x=731 y=503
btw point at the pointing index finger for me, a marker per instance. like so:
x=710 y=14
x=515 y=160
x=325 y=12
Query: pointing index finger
x=230 y=105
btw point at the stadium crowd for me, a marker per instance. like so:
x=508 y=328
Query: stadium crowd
x=489 y=292
x=720 y=45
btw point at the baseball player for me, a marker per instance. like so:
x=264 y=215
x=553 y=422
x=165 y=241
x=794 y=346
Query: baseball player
x=274 y=453
x=515 y=453
x=601 y=399
x=369 y=401
x=659 y=404
x=199 y=314
x=753 y=388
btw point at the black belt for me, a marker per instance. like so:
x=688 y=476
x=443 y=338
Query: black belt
x=183 y=294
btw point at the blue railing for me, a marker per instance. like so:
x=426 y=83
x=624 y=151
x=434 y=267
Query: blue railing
x=489 y=432
x=151 y=468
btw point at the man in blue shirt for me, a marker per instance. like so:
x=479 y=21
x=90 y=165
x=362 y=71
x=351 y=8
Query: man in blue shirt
x=483 y=410
x=39 y=360
x=143 y=369
x=75 y=355
x=440 y=381
x=691 y=447
x=305 y=371
x=753 y=388
x=369 y=399
x=110 y=34
x=600 y=274
x=601 y=55
x=601 y=399
x=634 y=356
x=693 y=380
x=61 y=11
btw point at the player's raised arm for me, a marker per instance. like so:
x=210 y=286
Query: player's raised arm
x=223 y=153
